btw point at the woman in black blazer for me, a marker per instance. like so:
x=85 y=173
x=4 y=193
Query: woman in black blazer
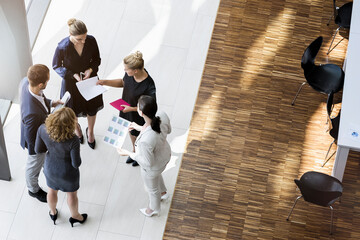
x=62 y=161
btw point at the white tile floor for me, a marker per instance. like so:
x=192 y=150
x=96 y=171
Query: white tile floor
x=174 y=37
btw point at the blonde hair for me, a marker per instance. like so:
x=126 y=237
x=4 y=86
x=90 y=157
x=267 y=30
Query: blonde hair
x=134 y=61
x=76 y=27
x=60 y=125
x=38 y=73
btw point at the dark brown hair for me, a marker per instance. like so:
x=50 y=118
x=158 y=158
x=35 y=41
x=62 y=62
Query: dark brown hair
x=38 y=73
x=148 y=106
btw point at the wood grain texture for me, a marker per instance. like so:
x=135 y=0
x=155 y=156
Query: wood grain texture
x=247 y=143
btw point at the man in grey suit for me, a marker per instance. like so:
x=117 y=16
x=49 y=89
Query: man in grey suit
x=34 y=109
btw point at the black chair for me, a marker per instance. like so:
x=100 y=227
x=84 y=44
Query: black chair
x=342 y=16
x=320 y=189
x=333 y=126
x=327 y=78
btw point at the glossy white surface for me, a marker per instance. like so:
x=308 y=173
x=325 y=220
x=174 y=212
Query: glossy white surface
x=350 y=114
x=355 y=18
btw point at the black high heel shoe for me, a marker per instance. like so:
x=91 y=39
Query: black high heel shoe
x=81 y=139
x=54 y=217
x=92 y=145
x=74 y=220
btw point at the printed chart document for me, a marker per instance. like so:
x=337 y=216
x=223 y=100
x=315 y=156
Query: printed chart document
x=88 y=88
x=64 y=99
x=116 y=132
x=117 y=104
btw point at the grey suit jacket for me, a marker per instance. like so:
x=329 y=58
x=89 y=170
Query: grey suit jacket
x=152 y=151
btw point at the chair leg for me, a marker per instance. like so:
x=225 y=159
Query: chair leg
x=293 y=102
x=330 y=49
x=293 y=207
x=331 y=209
x=329 y=149
x=328 y=159
x=337 y=44
x=329 y=20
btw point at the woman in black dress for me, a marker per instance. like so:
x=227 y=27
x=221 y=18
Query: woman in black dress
x=76 y=54
x=136 y=82
x=61 y=167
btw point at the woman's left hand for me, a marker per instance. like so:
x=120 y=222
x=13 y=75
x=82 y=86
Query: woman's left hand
x=87 y=73
x=123 y=152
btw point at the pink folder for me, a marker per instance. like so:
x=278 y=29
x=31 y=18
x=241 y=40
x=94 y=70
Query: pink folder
x=117 y=104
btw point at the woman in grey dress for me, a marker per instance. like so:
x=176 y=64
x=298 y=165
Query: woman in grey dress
x=61 y=168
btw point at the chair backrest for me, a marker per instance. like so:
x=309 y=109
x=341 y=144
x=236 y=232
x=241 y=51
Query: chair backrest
x=308 y=58
x=329 y=104
x=334 y=131
x=335 y=121
x=342 y=15
x=319 y=188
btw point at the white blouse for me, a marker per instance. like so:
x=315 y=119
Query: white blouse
x=152 y=151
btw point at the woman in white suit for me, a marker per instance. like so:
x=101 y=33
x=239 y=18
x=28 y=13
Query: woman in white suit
x=152 y=151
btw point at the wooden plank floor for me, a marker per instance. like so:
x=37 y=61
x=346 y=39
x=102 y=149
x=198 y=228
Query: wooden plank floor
x=247 y=143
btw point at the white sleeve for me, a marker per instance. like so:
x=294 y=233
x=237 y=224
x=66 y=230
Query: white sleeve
x=144 y=155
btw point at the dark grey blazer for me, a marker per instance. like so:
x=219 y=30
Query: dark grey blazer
x=62 y=161
x=33 y=114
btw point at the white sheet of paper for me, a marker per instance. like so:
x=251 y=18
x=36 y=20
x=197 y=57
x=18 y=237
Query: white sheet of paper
x=116 y=132
x=64 y=99
x=89 y=89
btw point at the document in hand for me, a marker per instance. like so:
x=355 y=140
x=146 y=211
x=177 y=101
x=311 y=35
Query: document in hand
x=88 y=88
x=116 y=132
x=64 y=99
x=117 y=104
